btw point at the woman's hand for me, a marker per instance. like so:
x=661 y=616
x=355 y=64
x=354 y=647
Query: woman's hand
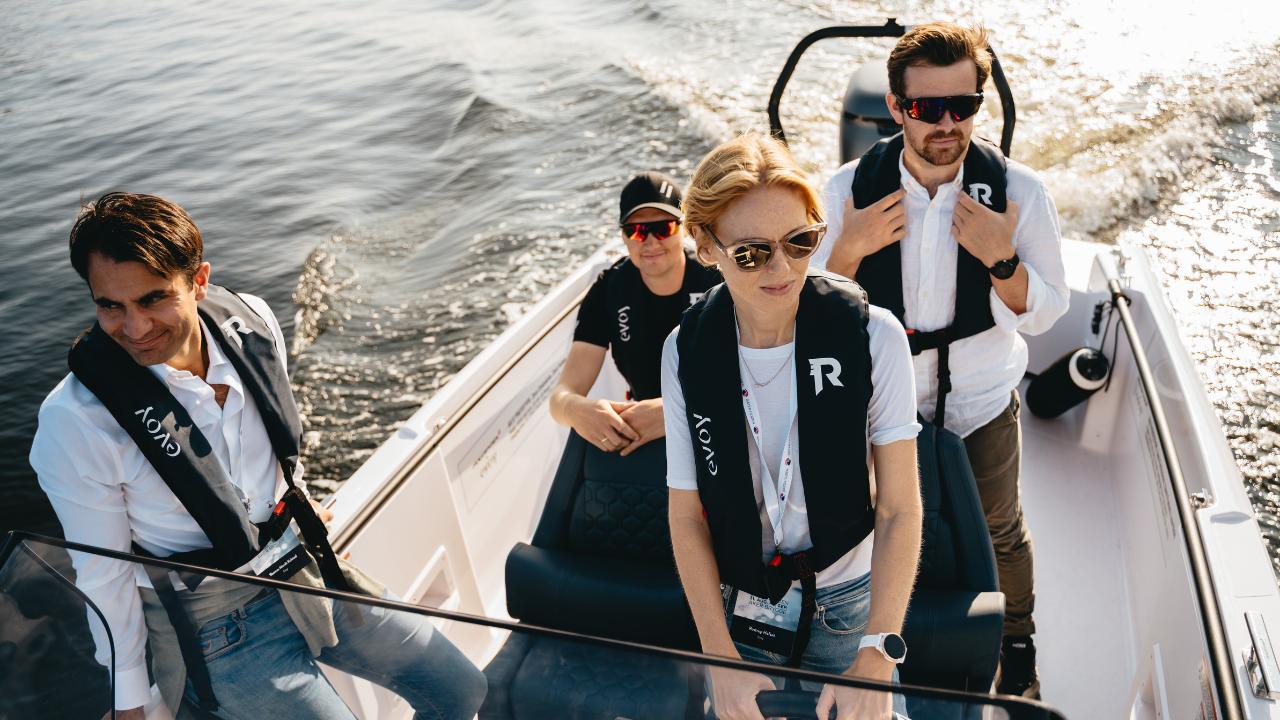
x=860 y=703
x=735 y=692
x=855 y=703
x=645 y=417
x=599 y=422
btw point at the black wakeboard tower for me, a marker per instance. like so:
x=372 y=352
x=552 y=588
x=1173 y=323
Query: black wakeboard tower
x=865 y=118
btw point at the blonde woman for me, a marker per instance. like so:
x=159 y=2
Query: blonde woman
x=789 y=439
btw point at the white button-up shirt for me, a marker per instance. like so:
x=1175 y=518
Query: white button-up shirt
x=986 y=367
x=107 y=494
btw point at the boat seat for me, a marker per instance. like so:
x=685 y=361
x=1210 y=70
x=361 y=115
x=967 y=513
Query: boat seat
x=956 y=615
x=600 y=563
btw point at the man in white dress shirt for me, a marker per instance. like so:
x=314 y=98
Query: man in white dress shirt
x=964 y=246
x=218 y=384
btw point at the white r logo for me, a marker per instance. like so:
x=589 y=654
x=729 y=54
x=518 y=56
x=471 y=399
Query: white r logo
x=981 y=192
x=833 y=375
x=233 y=327
x=695 y=297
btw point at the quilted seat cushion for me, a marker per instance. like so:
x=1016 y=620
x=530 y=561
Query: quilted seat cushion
x=574 y=681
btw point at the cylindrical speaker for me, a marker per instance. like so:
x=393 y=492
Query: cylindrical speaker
x=1068 y=382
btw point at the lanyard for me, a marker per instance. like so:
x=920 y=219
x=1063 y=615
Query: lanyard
x=775 y=496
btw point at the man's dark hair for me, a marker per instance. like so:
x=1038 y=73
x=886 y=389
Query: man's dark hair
x=138 y=228
x=940 y=45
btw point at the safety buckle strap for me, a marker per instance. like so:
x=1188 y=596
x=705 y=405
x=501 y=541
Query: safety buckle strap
x=315 y=536
x=921 y=340
x=940 y=340
x=799 y=567
x=188 y=643
x=273 y=527
x=944 y=385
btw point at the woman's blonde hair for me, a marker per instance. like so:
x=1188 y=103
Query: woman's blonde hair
x=732 y=170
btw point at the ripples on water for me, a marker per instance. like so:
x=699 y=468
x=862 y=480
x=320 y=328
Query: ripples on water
x=410 y=180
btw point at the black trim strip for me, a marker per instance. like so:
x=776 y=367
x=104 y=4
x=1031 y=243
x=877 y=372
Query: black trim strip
x=1018 y=707
x=1210 y=612
x=890 y=29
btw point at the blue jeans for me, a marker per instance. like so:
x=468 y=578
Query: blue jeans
x=260 y=667
x=834 y=634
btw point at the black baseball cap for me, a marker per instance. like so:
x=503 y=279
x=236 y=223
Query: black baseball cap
x=650 y=189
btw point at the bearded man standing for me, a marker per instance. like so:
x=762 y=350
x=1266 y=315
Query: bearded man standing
x=963 y=246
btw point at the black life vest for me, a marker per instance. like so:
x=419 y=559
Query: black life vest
x=880 y=273
x=167 y=436
x=832 y=423
x=624 y=286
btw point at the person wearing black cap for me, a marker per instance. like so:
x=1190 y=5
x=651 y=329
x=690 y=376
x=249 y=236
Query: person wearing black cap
x=630 y=309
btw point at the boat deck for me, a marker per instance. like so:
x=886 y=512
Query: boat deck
x=1081 y=636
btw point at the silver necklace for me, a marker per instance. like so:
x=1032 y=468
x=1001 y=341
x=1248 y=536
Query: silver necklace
x=747 y=365
x=776 y=373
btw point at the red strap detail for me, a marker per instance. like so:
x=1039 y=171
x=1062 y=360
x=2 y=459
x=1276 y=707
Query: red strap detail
x=279 y=509
x=776 y=561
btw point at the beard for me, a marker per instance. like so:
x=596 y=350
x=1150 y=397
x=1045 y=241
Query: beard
x=940 y=155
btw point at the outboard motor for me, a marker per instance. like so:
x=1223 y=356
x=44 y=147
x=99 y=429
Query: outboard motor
x=865 y=118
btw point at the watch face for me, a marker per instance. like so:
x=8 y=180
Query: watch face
x=1004 y=269
x=894 y=646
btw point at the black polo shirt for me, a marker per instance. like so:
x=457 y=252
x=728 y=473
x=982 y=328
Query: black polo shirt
x=622 y=314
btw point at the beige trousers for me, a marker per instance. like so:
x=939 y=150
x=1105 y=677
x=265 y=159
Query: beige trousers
x=995 y=452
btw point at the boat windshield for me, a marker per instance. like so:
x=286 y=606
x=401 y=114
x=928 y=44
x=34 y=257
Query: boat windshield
x=57 y=660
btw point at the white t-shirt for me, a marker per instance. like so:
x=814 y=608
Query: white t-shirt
x=891 y=416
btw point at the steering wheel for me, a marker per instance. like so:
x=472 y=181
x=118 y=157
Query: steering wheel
x=790 y=704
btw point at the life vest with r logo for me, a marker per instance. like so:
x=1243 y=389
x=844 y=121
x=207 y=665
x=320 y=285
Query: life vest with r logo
x=880 y=273
x=833 y=388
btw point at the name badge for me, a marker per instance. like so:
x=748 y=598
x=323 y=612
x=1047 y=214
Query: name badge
x=762 y=624
x=281 y=558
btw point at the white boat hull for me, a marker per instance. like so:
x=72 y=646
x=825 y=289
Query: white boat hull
x=435 y=510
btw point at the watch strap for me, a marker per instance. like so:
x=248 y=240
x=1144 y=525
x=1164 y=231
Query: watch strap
x=1004 y=269
x=877 y=642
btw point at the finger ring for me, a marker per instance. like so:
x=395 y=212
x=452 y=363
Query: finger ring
x=605 y=440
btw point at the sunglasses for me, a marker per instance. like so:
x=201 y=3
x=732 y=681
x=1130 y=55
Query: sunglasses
x=931 y=109
x=659 y=229
x=753 y=255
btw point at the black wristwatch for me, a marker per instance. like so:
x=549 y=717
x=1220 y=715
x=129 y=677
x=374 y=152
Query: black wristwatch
x=1003 y=269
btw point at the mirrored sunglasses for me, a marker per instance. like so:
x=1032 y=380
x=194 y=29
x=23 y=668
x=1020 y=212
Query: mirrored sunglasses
x=754 y=254
x=931 y=109
x=659 y=229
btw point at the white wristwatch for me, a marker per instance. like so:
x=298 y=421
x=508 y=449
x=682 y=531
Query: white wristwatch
x=890 y=645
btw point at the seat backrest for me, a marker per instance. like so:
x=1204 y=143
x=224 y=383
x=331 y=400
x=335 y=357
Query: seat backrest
x=956 y=552
x=606 y=504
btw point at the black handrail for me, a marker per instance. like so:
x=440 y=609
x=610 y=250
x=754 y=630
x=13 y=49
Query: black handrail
x=1210 y=610
x=891 y=28
x=1016 y=705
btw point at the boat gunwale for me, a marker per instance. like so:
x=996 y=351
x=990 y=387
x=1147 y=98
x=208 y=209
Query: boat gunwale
x=405 y=467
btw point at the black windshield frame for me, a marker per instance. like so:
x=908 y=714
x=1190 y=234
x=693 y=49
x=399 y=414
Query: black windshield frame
x=1019 y=708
